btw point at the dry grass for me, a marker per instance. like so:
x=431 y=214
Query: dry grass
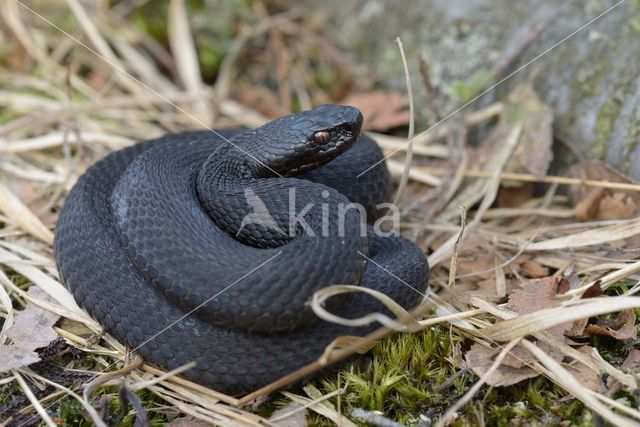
x=70 y=105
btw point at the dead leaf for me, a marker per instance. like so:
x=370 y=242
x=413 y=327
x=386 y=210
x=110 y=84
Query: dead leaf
x=479 y=263
x=480 y=358
x=31 y=329
x=513 y=196
x=33 y=325
x=589 y=206
x=622 y=327
x=518 y=358
x=533 y=154
x=586 y=376
x=533 y=269
x=530 y=296
x=593 y=291
x=382 y=110
x=577 y=328
x=296 y=419
x=15 y=356
x=631 y=365
x=617 y=205
x=478 y=270
x=537 y=294
x=187 y=422
x=602 y=203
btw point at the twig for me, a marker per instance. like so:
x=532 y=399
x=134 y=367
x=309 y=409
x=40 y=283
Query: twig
x=223 y=82
x=282 y=65
x=137 y=362
x=34 y=401
x=448 y=416
x=409 y=157
x=450 y=183
x=428 y=86
x=524 y=177
x=456 y=247
x=87 y=407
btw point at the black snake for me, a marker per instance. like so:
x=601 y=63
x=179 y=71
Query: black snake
x=153 y=241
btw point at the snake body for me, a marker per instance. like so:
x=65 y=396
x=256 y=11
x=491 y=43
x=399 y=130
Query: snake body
x=151 y=241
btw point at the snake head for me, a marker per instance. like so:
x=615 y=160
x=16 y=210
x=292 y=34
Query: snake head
x=303 y=141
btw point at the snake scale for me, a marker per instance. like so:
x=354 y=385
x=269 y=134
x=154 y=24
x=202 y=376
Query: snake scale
x=153 y=241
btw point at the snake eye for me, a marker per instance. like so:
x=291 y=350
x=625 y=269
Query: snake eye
x=321 y=137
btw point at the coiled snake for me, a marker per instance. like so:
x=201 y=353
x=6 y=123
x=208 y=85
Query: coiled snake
x=154 y=242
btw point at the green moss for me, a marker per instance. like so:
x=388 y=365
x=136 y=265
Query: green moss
x=72 y=412
x=633 y=135
x=400 y=376
x=404 y=376
x=465 y=91
x=604 y=124
x=588 y=79
x=634 y=24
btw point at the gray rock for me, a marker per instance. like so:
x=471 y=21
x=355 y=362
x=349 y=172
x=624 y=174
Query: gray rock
x=592 y=80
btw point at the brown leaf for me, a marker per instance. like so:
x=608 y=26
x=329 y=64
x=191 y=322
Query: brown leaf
x=586 y=376
x=534 y=295
x=533 y=269
x=617 y=205
x=476 y=266
x=632 y=362
x=593 y=291
x=478 y=269
x=382 y=110
x=518 y=358
x=534 y=153
x=530 y=296
x=33 y=325
x=622 y=327
x=577 y=329
x=631 y=365
x=589 y=206
x=16 y=356
x=187 y=422
x=479 y=263
x=31 y=329
x=513 y=196
x=602 y=203
x=480 y=358
x=537 y=294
